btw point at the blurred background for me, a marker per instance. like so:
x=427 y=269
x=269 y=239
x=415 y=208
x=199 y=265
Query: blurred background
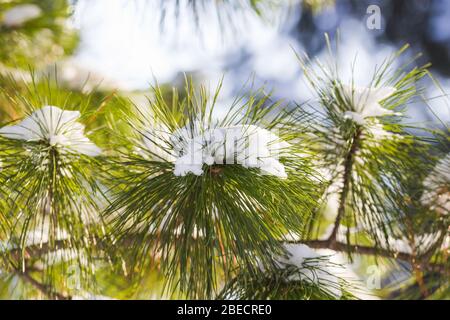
x=122 y=47
x=127 y=45
x=131 y=44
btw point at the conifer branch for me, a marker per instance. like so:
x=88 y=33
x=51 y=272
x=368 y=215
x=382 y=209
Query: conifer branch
x=346 y=185
x=363 y=250
x=45 y=289
x=356 y=249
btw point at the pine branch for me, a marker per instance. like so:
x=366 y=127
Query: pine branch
x=51 y=191
x=346 y=185
x=360 y=249
x=36 y=250
x=40 y=249
x=300 y=277
x=364 y=250
x=205 y=219
x=415 y=263
x=45 y=289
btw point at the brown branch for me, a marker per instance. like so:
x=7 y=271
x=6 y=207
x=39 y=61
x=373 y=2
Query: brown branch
x=36 y=249
x=415 y=262
x=348 y=165
x=45 y=289
x=363 y=250
x=368 y=250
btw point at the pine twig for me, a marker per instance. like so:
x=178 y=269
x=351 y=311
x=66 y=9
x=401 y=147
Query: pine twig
x=415 y=262
x=346 y=186
x=363 y=250
x=357 y=249
x=45 y=289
